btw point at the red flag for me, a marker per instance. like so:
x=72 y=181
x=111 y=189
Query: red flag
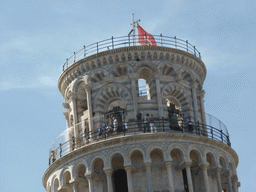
x=145 y=38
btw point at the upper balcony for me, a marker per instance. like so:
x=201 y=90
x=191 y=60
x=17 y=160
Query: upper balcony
x=66 y=142
x=128 y=41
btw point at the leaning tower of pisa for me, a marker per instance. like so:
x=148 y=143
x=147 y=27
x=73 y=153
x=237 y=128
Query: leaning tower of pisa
x=136 y=122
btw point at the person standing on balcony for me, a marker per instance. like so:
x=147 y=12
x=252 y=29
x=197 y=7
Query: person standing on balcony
x=115 y=124
x=190 y=125
x=99 y=133
x=86 y=134
x=152 y=124
x=146 y=123
x=139 y=119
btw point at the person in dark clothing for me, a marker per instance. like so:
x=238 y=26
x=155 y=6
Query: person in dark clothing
x=139 y=120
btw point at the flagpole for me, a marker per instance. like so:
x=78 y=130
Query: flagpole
x=133 y=30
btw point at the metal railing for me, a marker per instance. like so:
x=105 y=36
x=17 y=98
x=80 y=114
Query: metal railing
x=127 y=41
x=134 y=128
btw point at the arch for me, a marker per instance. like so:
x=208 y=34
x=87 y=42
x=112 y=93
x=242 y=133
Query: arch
x=180 y=93
x=223 y=163
x=112 y=153
x=177 y=146
x=66 y=178
x=117 y=161
x=108 y=93
x=210 y=159
x=64 y=170
x=136 y=148
x=186 y=76
x=168 y=69
x=212 y=155
x=154 y=146
x=120 y=69
x=196 y=149
x=55 y=185
x=97 y=75
x=148 y=64
x=97 y=156
x=76 y=166
x=137 y=160
x=78 y=82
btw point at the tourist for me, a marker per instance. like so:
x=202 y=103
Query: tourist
x=146 y=123
x=99 y=133
x=190 y=125
x=139 y=119
x=86 y=134
x=115 y=124
x=152 y=124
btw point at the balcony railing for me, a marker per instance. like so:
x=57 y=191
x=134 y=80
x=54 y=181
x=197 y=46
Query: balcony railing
x=66 y=142
x=128 y=41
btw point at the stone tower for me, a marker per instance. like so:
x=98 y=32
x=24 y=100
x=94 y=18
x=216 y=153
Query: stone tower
x=136 y=122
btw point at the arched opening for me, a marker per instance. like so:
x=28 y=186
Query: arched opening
x=118 y=113
x=99 y=176
x=212 y=177
x=196 y=171
x=180 y=182
x=120 y=181
x=175 y=115
x=142 y=87
x=139 y=171
x=158 y=171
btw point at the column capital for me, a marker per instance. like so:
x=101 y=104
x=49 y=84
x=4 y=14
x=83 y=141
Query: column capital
x=168 y=163
x=147 y=164
x=88 y=176
x=108 y=171
x=234 y=178
x=204 y=165
x=202 y=93
x=186 y=164
x=128 y=167
x=227 y=173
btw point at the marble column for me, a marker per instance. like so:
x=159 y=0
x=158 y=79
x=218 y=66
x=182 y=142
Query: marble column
x=159 y=97
x=168 y=165
x=148 y=173
x=218 y=170
x=89 y=105
x=74 y=109
x=229 y=175
x=189 y=177
x=203 y=111
x=109 y=179
x=89 y=177
x=234 y=181
x=205 y=174
x=134 y=93
x=128 y=170
x=195 y=103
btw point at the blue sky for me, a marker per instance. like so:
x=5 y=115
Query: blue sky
x=37 y=36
